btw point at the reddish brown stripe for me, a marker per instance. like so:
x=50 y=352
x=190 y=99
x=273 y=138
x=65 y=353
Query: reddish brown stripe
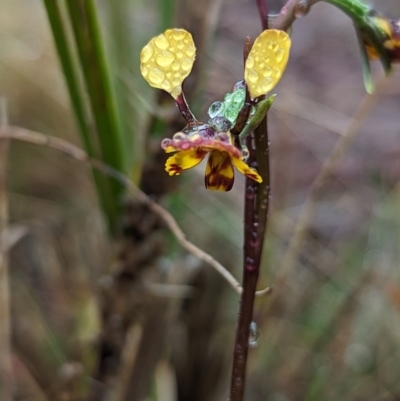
x=215 y=180
x=175 y=168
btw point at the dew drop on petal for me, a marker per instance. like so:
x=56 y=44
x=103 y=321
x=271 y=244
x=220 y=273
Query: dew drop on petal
x=252 y=76
x=279 y=55
x=178 y=34
x=179 y=136
x=144 y=71
x=250 y=62
x=190 y=51
x=215 y=109
x=267 y=71
x=186 y=64
x=161 y=42
x=156 y=76
x=175 y=65
x=266 y=83
x=165 y=143
x=179 y=54
x=146 y=54
x=165 y=58
x=277 y=72
x=166 y=85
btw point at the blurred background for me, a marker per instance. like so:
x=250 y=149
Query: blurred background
x=133 y=316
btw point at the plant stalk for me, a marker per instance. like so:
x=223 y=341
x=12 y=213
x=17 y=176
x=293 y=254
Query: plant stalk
x=255 y=220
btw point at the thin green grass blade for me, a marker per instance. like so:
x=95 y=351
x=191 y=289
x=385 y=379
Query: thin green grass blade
x=71 y=77
x=86 y=28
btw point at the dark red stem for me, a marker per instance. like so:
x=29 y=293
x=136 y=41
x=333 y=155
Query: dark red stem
x=184 y=109
x=255 y=220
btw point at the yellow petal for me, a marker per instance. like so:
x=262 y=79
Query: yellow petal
x=246 y=170
x=167 y=60
x=267 y=61
x=184 y=160
x=219 y=172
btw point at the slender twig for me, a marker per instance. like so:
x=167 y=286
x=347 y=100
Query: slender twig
x=5 y=322
x=21 y=134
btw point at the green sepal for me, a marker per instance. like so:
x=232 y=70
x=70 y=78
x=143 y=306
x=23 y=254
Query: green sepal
x=261 y=110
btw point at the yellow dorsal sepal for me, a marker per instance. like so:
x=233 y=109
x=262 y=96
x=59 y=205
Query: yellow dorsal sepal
x=266 y=61
x=167 y=60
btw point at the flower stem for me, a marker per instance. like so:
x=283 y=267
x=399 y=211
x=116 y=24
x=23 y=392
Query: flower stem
x=184 y=109
x=255 y=220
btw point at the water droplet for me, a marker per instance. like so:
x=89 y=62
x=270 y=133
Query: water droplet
x=175 y=65
x=238 y=98
x=253 y=336
x=239 y=85
x=267 y=71
x=252 y=111
x=190 y=50
x=176 y=82
x=231 y=113
x=161 y=42
x=178 y=34
x=277 y=72
x=221 y=124
x=176 y=91
x=261 y=65
x=165 y=143
x=179 y=54
x=180 y=45
x=156 y=76
x=146 y=54
x=270 y=45
x=215 y=109
x=252 y=76
x=279 y=55
x=186 y=64
x=165 y=58
x=249 y=62
x=166 y=85
x=245 y=152
x=179 y=136
x=144 y=71
x=266 y=84
x=169 y=74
